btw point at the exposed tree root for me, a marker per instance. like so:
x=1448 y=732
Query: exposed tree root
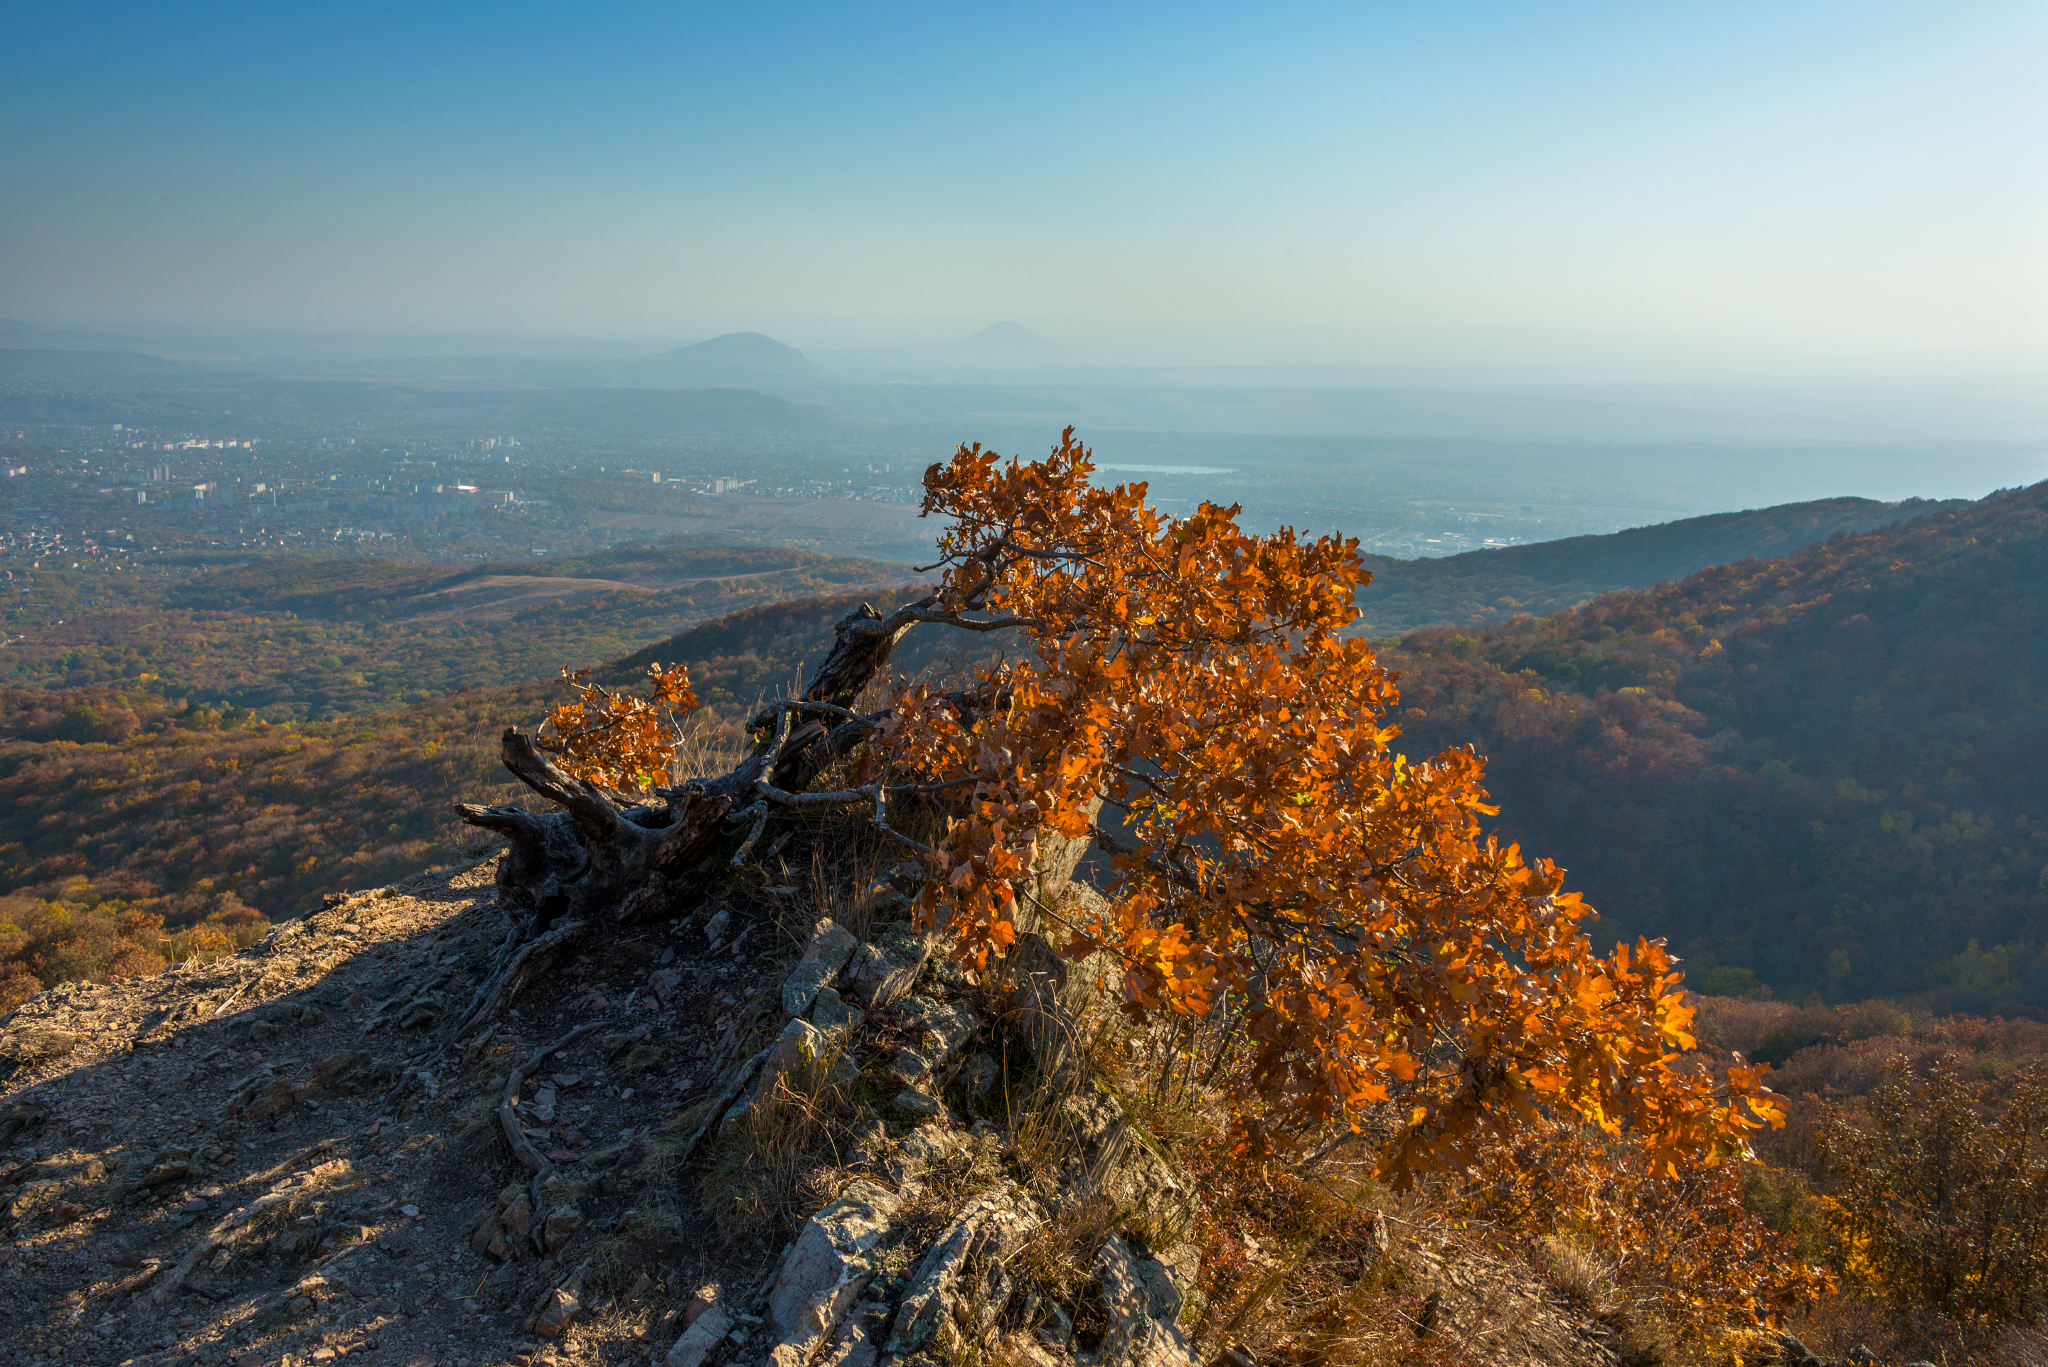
x=496 y=990
x=508 y=1115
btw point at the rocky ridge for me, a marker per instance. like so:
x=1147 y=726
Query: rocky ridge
x=276 y=1159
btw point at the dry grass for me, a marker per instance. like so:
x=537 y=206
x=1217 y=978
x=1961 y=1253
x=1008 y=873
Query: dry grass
x=641 y=1058
x=1832 y=1327
x=707 y=747
x=1588 y=1282
x=782 y=1158
x=1060 y=1254
x=841 y=873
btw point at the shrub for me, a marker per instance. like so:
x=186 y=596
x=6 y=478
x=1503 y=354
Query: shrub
x=1939 y=1207
x=43 y=943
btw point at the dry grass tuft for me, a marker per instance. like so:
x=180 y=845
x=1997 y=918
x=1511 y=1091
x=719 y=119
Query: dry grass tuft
x=1588 y=1282
x=781 y=1159
x=707 y=746
x=641 y=1058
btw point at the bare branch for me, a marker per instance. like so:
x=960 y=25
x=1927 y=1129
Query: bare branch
x=595 y=817
x=759 y=811
x=882 y=824
x=767 y=714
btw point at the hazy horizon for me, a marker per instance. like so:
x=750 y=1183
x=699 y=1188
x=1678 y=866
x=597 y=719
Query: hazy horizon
x=1591 y=192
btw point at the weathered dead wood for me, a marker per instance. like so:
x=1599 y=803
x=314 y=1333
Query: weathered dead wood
x=584 y=861
x=601 y=859
x=508 y=1112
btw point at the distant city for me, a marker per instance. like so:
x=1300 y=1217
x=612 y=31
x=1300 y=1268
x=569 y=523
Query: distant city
x=134 y=496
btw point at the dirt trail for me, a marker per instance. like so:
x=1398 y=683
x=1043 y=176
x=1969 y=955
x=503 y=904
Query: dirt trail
x=262 y=1125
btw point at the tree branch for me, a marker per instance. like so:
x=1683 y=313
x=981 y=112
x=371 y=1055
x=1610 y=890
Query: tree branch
x=595 y=817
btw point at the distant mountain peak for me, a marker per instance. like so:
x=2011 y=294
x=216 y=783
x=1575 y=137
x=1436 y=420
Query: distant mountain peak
x=745 y=360
x=757 y=347
x=1010 y=341
x=738 y=345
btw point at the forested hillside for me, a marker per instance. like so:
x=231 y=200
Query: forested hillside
x=1825 y=773
x=151 y=801
x=1822 y=773
x=308 y=639
x=1494 y=585
x=135 y=828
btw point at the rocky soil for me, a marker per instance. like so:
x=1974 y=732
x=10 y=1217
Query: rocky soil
x=276 y=1158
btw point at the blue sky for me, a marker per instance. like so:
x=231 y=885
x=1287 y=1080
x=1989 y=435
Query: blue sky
x=1820 y=180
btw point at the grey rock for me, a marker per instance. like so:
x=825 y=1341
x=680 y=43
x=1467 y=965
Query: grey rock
x=797 y=1052
x=1101 y=1156
x=827 y=951
x=701 y=1300
x=979 y=1075
x=913 y=1101
x=542 y=1109
x=560 y=1307
x=870 y=1138
x=830 y=1012
x=883 y=971
x=1791 y=1348
x=941 y=1029
x=1136 y=1335
x=700 y=1338
x=886 y=902
x=1163 y=1292
x=991 y=1228
x=906 y=877
x=829 y=1265
x=858 y=1342
x=918 y=1150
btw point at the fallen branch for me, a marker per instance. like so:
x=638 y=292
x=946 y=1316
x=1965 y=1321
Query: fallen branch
x=236 y=995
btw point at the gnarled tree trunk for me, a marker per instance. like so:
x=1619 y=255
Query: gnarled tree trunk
x=586 y=862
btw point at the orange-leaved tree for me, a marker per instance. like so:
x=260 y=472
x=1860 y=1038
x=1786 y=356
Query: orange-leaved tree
x=1269 y=845
x=1191 y=677
x=617 y=739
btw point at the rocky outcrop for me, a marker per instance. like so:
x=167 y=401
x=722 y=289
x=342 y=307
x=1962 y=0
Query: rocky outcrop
x=269 y=1131
x=830 y=1263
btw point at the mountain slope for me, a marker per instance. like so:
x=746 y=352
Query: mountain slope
x=737 y=360
x=1493 y=585
x=1829 y=771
